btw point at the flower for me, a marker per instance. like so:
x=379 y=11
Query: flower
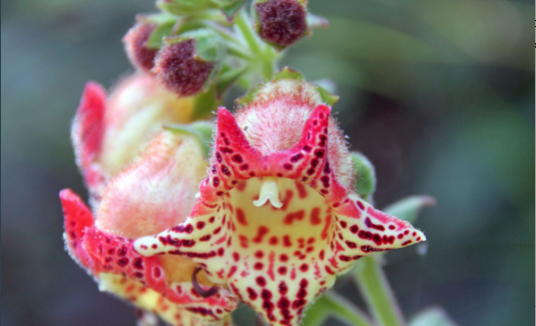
x=148 y=197
x=140 y=180
x=109 y=133
x=277 y=217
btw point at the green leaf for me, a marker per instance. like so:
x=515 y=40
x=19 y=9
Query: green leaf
x=408 y=208
x=205 y=103
x=202 y=130
x=156 y=18
x=230 y=8
x=161 y=31
x=184 y=7
x=326 y=96
x=365 y=175
x=314 y=21
x=332 y=304
x=226 y=78
x=434 y=316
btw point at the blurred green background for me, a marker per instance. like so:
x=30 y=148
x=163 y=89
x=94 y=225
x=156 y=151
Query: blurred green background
x=438 y=94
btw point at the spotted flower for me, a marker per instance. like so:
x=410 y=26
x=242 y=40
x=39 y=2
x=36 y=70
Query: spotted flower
x=276 y=218
x=137 y=195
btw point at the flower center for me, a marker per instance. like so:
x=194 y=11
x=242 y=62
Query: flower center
x=269 y=192
x=294 y=222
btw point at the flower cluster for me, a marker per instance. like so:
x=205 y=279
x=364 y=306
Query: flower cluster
x=270 y=218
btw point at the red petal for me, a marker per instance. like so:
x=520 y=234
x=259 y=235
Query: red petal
x=88 y=129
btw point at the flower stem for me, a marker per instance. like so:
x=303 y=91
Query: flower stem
x=244 y=26
x=264 y=56
x=377 y=293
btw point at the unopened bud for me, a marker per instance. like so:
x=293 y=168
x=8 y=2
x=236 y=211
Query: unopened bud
x=187 y=62
x=141 y=56
x=281 y=22
x=365 y=175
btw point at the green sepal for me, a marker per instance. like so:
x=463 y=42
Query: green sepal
x=434 y=316
x=288 y=73
x=202 y=130
x=161 y=31
x=184 y=7
x=156 y=18
x=408 y=209
x=365 y=175
x=226 y=78
x=205 y=103
x=326 y=96
x=209 y=46
x=332 y=304
x=229 y=8
x=314 y=21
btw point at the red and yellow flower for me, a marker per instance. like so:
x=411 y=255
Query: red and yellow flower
x=276 y=218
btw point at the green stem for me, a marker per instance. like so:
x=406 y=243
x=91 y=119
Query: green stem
x=246 y=29
x=377 y=293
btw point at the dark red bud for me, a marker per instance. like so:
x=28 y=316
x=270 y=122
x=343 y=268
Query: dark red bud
x=282 y=22
x=135 y=42
x=179 y=70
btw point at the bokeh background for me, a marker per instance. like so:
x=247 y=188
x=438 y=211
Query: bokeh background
x=438 y=94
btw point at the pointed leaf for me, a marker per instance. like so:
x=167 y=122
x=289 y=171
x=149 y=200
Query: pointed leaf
x=288 y=73
x=408 y=208
x=205 y=103
x=434 y=316
x=230 y=10
x=227 y=77
x=202 y=130
x=161 y=31
x=332 y=304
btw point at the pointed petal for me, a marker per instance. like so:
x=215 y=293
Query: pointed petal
x=104 y=253
x=77 y=218
x=114 y=254
x=87 y=133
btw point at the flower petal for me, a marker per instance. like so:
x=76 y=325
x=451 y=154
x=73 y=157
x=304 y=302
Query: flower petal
x=87 y=133
x=102 y=253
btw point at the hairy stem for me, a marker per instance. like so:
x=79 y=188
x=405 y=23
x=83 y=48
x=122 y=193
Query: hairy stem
x=377 y=293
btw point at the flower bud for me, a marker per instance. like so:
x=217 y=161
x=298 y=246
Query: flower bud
x=365 y=175
x=110 y=132
x=281 y=22
x=141 y=56
x=187 y=62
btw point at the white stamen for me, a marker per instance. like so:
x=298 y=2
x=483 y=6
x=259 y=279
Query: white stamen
x=269 y=191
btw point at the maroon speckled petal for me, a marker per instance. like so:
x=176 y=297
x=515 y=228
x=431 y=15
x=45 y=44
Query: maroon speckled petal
x=141 y=280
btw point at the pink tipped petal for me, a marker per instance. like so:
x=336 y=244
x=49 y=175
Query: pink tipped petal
x=115 y=255
x=87 y=132
x=137 y=278
x=77 y=218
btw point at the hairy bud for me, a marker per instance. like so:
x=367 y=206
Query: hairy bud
x=186 y=63
x=281 y=22
x=141 y=56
